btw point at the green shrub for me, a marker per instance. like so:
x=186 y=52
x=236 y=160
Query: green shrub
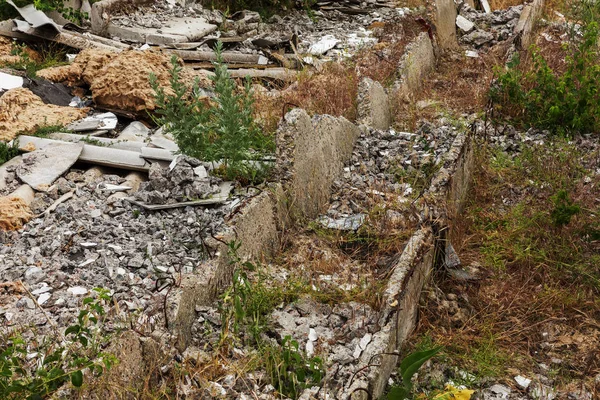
x=564 y=209
x=7 y=11
x=222 y=130
x=7 y=151
x=37 y=370
x=563 y=103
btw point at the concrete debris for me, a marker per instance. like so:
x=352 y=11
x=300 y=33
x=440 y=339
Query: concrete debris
x=98 y=155
x=351 y=223
x=40 y=168
x=522 y=382
x=104 y=121
x=464 y=24
x=481 y=29
x=23 y=111
x=451 y=259
x=8 y=81
x=323 y=46
x=177 y=184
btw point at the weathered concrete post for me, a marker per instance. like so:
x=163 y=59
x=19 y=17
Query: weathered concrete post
x=445 y=23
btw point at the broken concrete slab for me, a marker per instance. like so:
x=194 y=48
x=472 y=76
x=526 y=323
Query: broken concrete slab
x=37 y=19
x=373 y=105
x=157 y=154
x=464 y=24
x=99 y=141
x=105 y=121
x=135 y=132
x=174 y=30
x=41 y=168
x=102 y=156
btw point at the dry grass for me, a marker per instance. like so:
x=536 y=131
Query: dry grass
x=332 y=91
x=504 y=4
x=381 y=62
x=458 y=86
x=538 y=298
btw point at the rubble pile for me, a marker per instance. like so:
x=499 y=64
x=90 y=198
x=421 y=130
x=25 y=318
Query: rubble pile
x=384 y=167
x=480 y=29
x=185 y=179
x=97 y=240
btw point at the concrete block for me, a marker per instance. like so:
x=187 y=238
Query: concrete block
x=192 y=28
x=445 y=24
x=311 y=155
x=373 y=105
x=418 y=62
x=530 y=15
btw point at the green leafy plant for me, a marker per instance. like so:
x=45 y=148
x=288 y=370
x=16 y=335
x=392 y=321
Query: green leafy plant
x=291 y=371
x=408 y=368
x=8 y=151
x=221 y=129
x=34 y=370
x=563 y=103
x=564 y=209
x=7 y=11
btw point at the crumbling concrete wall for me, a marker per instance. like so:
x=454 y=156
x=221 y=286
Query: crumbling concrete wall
x=373 y=105
x=417 y=63
x=445 y=24
x=451 y=184
x=311 y=155
x=529 y=17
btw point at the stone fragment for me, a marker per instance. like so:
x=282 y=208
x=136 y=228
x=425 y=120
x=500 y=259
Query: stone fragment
x=41 y=168
x=464 y=24
x=77 y=291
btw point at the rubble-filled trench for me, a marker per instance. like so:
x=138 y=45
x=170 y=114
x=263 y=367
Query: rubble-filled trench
x=353 y=220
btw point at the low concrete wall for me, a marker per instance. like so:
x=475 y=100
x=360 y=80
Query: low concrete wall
x=418 y=62
x=311 y=155
x=373 y=105
x=421 y=255
x=399 y=315
x=529 y=18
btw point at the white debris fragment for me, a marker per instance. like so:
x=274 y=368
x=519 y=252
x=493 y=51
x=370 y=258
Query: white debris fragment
x=472 y=54
x=108 y=187
x=326 y=43
x=43 y=289
x=364 y=342
x=312 y=335
x=464 y=24
x=8 y=82
x=77 y=290
x=522 y=381
x=43 y=298
x=87 y=245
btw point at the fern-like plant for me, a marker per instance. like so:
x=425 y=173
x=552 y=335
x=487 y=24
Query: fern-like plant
x=220 y=129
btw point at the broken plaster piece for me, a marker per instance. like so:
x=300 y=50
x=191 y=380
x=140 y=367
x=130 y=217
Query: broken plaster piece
x=41 y=168
x=8 y=81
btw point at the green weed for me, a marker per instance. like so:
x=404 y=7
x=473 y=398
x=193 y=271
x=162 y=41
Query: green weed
x=37 y=370
x=564 y=103
x=8 y=151
x=222 y=131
